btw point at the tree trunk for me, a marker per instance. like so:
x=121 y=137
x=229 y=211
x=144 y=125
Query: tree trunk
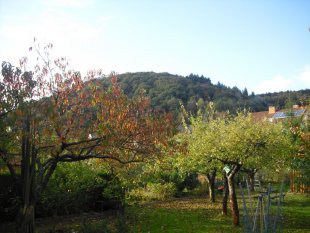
x=233 y=195
x=25 y=222
x=211 y=181
x=225 y=194
x=43 y=175
x=251 y=175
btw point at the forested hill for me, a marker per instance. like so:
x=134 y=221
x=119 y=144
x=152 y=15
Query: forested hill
x=166 y=91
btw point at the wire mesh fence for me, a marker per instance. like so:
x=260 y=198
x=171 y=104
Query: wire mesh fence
x=267 y=215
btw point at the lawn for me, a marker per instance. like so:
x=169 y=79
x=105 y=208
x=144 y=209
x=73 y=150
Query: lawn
x=296 y=210
x=198 y=215
x=187 y=215
x=180 y=215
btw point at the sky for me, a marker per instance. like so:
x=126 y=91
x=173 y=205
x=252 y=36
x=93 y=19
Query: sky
x=261 y=45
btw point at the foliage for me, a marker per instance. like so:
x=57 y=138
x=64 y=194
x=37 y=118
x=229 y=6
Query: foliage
x=166 y=91
x=299 y=129
x=197 y=157
x=76 y=187
x=152 y=191
x=168 y=172
x=73 y=120
x=51 y=115
x=140 y=178
x=285 y=99
x=233 y=141
x=241 y=140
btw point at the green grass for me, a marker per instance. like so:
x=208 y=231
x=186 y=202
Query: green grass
x=296 y=210
x=180 y=215
x=197 y=215
x=188 y=215
x=173 y=220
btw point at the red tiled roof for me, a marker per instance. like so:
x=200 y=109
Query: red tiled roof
x=258 y=116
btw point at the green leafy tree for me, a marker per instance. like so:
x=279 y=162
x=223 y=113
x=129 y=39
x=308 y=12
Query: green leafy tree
x=240 y=142
x=235 y=142
x=198 y=158
x=162 y=87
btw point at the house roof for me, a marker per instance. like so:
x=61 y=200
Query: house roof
x=281 y=114
x=258 y=116
x=292 y=113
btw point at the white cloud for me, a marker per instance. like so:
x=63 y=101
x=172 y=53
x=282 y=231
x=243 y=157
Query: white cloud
x=298 y=81
x=65 y=28
x=72 y=37
x=277 y=83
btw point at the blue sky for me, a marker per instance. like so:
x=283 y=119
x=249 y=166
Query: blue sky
x=263 y=45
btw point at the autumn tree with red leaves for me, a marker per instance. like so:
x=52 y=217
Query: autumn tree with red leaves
x=52 y=115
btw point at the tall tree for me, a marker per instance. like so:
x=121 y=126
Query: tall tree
x=56 y=116
x=16 y=92
x=236 y=142
x=241 y=142
x=198 y=158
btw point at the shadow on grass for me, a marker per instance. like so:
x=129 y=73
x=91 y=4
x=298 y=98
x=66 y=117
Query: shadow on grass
x=296 y=211
x=189 y=215
x=180 y=215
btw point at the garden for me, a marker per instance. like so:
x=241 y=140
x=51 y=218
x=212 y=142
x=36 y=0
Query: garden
x=78 y=156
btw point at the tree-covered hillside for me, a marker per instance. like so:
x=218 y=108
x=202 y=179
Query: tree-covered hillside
x=166 y=91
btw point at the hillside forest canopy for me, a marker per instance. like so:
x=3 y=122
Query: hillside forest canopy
x=166 y=91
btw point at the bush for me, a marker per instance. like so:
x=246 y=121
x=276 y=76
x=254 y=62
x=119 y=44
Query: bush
x=152 y=191
x=112 y=188
x=76 y=187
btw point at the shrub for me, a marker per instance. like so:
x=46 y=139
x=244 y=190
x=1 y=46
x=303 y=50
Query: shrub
x=75 y=187
x=152 y=191
x=112 y=188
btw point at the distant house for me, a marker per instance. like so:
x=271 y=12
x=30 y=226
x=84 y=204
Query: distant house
x=258 y=116
x=273 y=115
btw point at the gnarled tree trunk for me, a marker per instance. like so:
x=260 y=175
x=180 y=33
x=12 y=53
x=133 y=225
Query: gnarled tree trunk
x=233 y=195
x=25 y=222
x=211 y=181
x=251 y=175
x=225 y=195
x=250 y=172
